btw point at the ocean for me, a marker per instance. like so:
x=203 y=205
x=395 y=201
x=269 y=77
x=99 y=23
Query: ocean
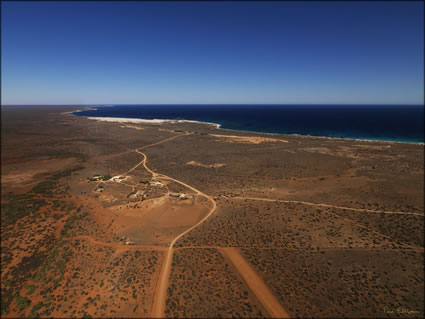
x=401 y=123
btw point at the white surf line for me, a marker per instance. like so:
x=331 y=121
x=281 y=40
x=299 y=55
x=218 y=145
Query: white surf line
x=361 y=210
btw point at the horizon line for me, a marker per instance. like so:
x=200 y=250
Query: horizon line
x=116 y=104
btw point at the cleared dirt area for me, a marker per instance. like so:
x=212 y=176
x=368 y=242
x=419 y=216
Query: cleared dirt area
x=156 y=221
x=215 y=165
x=21 y=174
x=247 y=139
x=133 y=126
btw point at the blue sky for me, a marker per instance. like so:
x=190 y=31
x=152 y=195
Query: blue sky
x=212 y=52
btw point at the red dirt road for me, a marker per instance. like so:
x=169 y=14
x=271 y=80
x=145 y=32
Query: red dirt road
x=255 y=283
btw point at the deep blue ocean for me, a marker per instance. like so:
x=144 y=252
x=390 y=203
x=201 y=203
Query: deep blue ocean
x=403 y=123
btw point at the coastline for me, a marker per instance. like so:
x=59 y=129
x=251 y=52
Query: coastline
x=218 y=126
x=146 y=121
x=91 y=108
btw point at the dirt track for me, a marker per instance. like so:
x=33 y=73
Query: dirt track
x=336 y=215
x=255 y=283
x=118 y=246
x=362 y=210
x=158 y=308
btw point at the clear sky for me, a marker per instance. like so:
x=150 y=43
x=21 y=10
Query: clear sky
x=212 y=52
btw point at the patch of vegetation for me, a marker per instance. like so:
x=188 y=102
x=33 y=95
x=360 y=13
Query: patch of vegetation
x=45 y=187
x=56 y=283
x=22 y=302
x=144 y=181
x=70 y=222
x=132 y=193
x=48 y=263
x=30 y=289
x=67 y=172
x=4 y=310
x=18 y=207
x=59 y=153
x=17 y=197
x=61 y=265
x=21 y=273
x=34 y=311
x=99 y=177
x=27 y=266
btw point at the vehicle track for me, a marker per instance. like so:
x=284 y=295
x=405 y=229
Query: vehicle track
x=158 y=308
x=255 y=283
x=121 y=247
x=361 y=210
x=334 y=214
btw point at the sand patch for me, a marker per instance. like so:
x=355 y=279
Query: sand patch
x=133 y=126
x=156 y=221
x=247 y=139
x=27 y=172
x=145 y=121
x=20 y=178
x=215 y=165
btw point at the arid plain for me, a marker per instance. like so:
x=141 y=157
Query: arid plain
x=109 y=219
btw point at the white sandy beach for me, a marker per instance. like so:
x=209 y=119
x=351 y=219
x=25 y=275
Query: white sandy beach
x=145 y=121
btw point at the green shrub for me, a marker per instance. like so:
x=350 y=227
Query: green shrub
x=44 y=187
x=22 y=302
x=19 y=207
x=34 y=311
x=132 y=193
x=30 y=289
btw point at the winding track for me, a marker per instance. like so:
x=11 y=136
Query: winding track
x=158 y=308
x=146 y=146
